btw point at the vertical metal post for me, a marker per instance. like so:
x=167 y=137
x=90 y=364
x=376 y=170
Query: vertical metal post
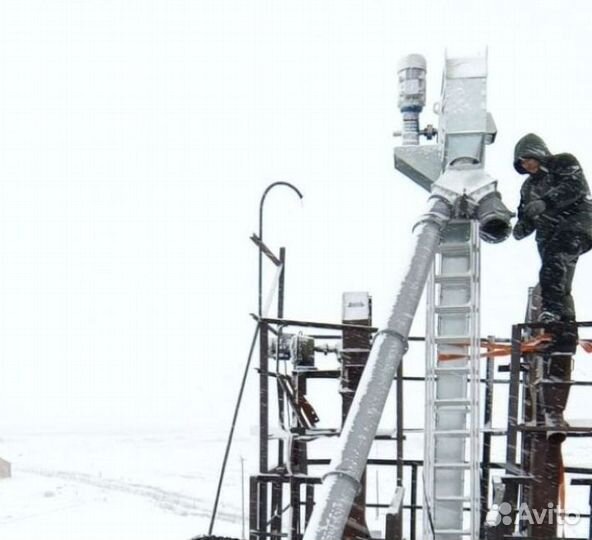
x=295 y=507
x=276 y=508
x=528 y=400
x=298 y=458
x=357 y=309
x=263 y=397
x=253 y=509
x=413 y=531
x=400 y=421
x=280 y=391
x=514 y=390
x=590 y=514
x=281 y=285
x=309 y=503
x=263 y=420
x=512 y=431
x=487 y=435
x=242 y=462
x=277 y=487
x=298 y=452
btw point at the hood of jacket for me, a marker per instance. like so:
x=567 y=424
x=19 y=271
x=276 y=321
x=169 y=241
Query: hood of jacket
x=530 y=146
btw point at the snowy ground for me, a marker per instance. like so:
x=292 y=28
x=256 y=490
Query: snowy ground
x=157 y=485
x=160 y=484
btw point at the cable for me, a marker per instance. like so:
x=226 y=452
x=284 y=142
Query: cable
x=231 y=433
x=239 y=400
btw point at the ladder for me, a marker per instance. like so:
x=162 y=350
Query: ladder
x=451 y=453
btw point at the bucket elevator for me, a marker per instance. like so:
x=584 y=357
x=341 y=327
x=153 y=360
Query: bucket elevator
x=447 y=492
x=464 y=205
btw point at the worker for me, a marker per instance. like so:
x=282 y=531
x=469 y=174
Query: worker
x=555 y=202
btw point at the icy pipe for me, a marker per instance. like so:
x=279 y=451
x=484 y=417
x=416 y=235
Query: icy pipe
x=342 y=482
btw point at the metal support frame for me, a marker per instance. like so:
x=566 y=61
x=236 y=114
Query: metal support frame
x=531 y=461
x=302 y=490
x=286 y=483
x=261 y=516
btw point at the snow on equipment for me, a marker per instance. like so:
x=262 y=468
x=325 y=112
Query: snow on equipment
x=447 y=492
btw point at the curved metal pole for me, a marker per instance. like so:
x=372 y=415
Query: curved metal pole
x=250 y=355
x=261 y=203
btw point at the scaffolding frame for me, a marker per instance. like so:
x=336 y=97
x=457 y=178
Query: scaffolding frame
x=299 y=489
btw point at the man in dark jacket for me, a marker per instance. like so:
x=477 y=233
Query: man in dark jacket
x=555 y=202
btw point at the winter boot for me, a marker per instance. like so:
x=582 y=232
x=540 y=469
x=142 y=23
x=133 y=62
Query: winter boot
x=555 y=396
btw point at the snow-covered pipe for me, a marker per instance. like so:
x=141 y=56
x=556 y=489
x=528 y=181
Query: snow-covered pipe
x=342 y=481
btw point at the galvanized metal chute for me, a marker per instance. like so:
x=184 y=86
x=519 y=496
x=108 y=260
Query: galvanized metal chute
x=453 y=171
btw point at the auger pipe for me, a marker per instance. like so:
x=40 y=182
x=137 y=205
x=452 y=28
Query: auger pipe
x=342 y=482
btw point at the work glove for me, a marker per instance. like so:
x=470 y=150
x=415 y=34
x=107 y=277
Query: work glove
x=534 y=209
x=520 y=231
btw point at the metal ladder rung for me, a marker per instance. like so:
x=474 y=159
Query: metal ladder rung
x=453 y=498
x=453 y=369
x=451 y=432
x=494 y=431
x=453 y=310
x=460 y=279
x=452 y=401
x=453 y=408
x=451 y=465
x=453 y=340
x=454 y=248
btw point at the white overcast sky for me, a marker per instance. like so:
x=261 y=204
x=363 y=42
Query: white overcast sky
x=136 y=138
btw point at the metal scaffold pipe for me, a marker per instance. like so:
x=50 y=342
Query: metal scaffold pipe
x=342 y=482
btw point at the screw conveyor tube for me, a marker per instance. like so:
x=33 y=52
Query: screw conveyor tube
x=342 y=481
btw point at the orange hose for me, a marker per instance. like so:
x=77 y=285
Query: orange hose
x=493 y=350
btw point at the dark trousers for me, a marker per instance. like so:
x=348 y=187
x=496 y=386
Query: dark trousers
x=559 y=257
x=555 y=390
